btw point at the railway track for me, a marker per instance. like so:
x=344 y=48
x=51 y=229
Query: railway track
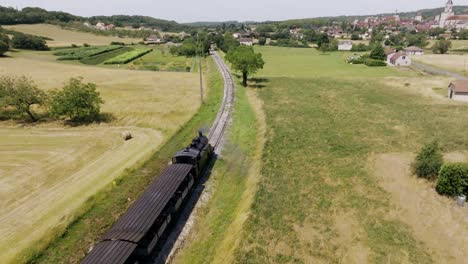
x=221 y=122
x=199 y=197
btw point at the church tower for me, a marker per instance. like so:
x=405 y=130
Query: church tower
x=448 y=12
x=449 y=7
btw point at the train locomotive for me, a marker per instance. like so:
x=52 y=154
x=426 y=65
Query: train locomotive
x=141 y=231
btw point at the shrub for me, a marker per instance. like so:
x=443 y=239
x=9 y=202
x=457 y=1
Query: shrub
x=453 y=179
x=429 y=161
x=77 y=101
x=360 y=47
x=117 y=43
x=29 y=42
x=374 y=63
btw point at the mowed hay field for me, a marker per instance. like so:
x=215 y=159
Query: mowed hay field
x=452 y=62
x=320 y=197
x=48 y=170
x=64 y=37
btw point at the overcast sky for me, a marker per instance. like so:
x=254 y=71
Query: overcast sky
x=241 y=10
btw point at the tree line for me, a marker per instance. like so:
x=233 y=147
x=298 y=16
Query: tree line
x=76 y=101
x=20 y=41
x=34 y=15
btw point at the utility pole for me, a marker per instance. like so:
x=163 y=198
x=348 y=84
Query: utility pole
x=200 y=67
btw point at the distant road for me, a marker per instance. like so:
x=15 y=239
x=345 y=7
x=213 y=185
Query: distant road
x=437 y=71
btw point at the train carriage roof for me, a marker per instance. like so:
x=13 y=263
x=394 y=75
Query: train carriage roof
x=139 y=218
x=110 y=252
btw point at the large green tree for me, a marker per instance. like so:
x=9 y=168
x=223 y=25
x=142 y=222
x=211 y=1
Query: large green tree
x=441 y=46
x=245 y=60
x=77 y=101
x=378 y=52
x=21 y=93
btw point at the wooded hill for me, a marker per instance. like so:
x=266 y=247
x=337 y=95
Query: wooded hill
x=34 y=15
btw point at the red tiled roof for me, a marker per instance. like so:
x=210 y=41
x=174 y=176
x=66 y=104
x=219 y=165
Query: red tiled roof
x=458 y=17
x=460 y=86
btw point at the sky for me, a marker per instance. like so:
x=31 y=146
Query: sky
x=240 y=10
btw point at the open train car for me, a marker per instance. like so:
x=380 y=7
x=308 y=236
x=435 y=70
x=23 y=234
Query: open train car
x=136 y=236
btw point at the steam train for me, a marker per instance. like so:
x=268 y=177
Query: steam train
x=141 y=231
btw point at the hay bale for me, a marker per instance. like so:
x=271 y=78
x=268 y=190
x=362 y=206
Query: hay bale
x=126 y=135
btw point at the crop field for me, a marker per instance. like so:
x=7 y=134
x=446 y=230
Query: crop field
x=64 y=37
x=452 y=62
x=323 y=196
x=161 y=60
x=51 y=169
x=128 y=56
x=82 y=53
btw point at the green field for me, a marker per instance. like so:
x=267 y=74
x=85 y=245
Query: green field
x=101 y=58
x=318 y=201
x=161 y=60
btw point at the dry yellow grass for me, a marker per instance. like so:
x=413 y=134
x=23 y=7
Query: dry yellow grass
x=62 y=37
x=451 y=62
x=434 y=219
x=47 y=171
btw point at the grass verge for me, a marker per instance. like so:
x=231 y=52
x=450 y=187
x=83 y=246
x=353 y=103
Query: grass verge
x=233 y=184
x=100 y=212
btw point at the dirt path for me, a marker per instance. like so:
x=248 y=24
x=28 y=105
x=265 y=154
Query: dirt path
x=435 y=220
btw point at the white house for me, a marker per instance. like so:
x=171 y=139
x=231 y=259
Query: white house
x=101 y=26
x=246 y=41
x=413 y=50
x=400 y=59
x=345 y=45
x=458 y=91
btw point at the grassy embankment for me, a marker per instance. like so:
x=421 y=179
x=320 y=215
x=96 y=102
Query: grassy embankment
x=49 y=170
x=103 y=210
x=317 y=200
x=232 y=187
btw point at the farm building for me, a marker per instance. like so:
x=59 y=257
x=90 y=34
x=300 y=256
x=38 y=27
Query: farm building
x=345 y=45
x=246 y=41
x=153 y=39
x=389 y=52
x=458 y=91
x=413 y=50
x=400 y=59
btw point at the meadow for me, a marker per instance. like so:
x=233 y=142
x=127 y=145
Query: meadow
x=52 y=169
x=65 y=37
x=453 y=62
x=320 y=198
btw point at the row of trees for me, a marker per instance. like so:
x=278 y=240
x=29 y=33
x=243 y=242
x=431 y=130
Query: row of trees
x=243 y=58
x=77 y=101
